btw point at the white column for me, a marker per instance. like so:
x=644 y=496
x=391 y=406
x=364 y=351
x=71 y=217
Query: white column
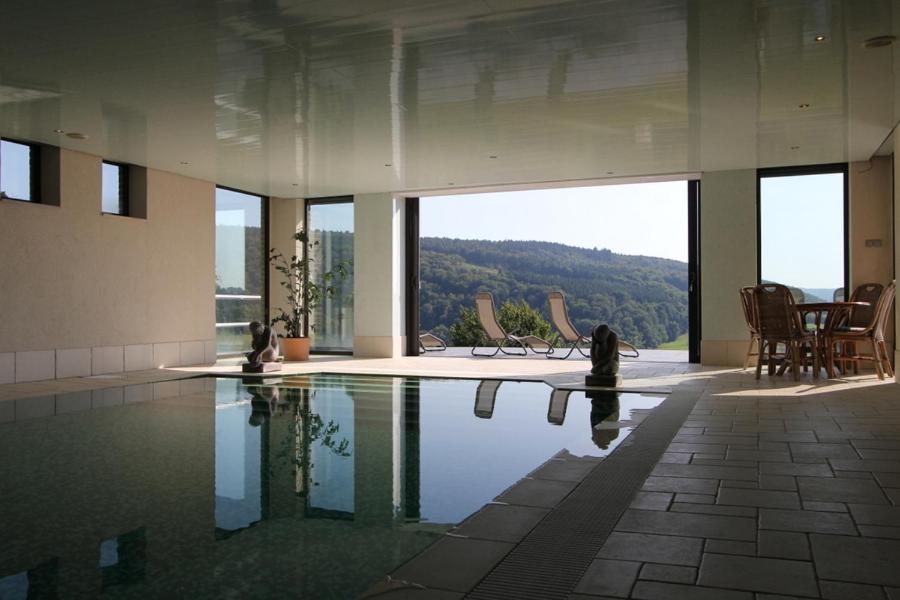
x=727 y=262
x=378 y=265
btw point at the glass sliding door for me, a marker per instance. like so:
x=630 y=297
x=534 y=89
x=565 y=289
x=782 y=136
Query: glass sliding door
x=240 y=268
x=330 y=226
x=803 y=230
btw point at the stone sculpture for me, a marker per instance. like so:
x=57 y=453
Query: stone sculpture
x=604 y=358
x=264 y=357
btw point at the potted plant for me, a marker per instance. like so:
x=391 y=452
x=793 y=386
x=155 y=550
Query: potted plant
x=303 y=294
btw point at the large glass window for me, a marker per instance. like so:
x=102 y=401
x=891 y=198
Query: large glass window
x=802 y=231
x=330 y=226
x=240 y=268
x=18 y=179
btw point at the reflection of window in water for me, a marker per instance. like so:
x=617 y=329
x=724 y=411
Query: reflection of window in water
x=238 y=460
x=123 y=559
x=332 y=474
x=40 y=581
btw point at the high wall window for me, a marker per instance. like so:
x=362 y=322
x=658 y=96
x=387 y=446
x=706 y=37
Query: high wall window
x=330 y=226
x=240 y=268
x=114 y=189
x=802 y=230
x=19 y=171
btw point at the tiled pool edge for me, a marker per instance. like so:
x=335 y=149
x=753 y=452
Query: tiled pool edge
x=552 y=543
x=552 y=558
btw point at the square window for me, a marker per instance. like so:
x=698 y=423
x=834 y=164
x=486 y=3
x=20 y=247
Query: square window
x=18 y=173
x=114 y=189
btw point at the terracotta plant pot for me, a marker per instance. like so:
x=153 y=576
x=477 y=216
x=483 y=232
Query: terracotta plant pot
x=294 y=349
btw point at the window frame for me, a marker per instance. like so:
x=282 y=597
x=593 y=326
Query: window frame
x=34 y=168
x=308 y=203
x=124 y=190
x=265 y=296
x=819 y=169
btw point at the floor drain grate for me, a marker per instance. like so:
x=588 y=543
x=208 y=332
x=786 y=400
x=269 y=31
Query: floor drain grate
x=551 y=560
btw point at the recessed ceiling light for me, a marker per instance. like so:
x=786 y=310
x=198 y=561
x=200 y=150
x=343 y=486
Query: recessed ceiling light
x=184 y=162
x=879 y=41
x=76 y=136
x=610 y=172
x=492 y=156
x=450 y=183
x=295 y=184
x=795 y=147
x=819 y=38
x=58 y=131
x=388 y=165
x=804 y=105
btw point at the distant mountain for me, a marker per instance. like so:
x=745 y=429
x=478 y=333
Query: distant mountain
x=643 y=298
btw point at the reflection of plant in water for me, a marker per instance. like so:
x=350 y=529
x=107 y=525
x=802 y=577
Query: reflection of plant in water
x=325 y=433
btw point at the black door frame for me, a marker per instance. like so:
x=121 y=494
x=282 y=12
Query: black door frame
x=694 y=314
x=411 y=274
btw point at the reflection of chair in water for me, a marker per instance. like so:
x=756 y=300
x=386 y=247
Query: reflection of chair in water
x=559 y=401
x=604 y=418
x=485 y=397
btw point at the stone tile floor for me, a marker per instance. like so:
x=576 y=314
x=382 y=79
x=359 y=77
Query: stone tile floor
x=764 y=496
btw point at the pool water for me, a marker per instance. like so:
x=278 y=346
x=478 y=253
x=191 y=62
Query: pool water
x=313 y=486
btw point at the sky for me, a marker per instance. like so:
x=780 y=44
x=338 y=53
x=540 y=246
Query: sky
x=649 y=219
x=801 y=227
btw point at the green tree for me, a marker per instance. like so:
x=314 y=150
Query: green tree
x=517 y=318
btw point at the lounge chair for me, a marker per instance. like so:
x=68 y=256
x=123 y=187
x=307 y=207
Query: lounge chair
x=428 y=342
x=487 y=318
x=486 y=397
x=559 y=316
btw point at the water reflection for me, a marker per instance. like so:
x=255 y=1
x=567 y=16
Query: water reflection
x=318 y=485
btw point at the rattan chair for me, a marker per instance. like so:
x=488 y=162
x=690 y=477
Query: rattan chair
x=849 y=336
x=750 y=319
x=779 y=323
x=495 y=334
x=857 y=319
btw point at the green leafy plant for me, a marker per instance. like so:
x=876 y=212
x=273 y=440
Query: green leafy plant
x=303 y=293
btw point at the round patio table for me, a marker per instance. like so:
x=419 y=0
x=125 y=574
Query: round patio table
x=831 y=310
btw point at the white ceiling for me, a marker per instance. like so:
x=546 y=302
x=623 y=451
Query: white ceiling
x=323 y=97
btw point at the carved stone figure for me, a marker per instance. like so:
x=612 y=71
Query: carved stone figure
x=604 y=351
x=265 y=350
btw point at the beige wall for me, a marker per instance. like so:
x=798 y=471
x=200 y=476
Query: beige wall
x=727 y=262
x=870 y=201
x=286 y=217
x=378 y=266
x=77 y=287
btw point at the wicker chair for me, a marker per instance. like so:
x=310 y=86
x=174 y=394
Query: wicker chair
x=750 y=318
x=779 y=323
x=852 y=334
x=857 y=319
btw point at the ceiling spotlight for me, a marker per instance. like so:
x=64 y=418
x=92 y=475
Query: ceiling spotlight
x=819 y=38
x=450 y=183
x=804 y=105
x=795 y=147
x=76 y=136
x=184 y=162
x=879 y=41
x=295 y=184
x=610 y=172
x=58 y=131
x=388 y=165
x=492 y=156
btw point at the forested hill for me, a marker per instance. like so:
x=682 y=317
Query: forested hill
x=643 y=298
